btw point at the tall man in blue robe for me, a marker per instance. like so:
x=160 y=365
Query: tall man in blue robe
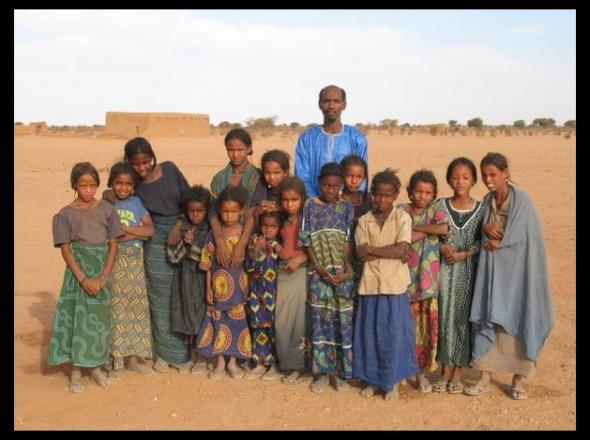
x=329 y=142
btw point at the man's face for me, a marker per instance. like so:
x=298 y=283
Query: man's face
x=331 y=104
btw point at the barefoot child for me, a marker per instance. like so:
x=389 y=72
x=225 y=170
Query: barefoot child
x=291 y=317
x=261 y=264
x=188 y=290
x=86 y=231
x=325 y=233
x=132 y=333
x=384 y=349
x=513 y=316
x=457 y=275
x=429 y=220
x=224 y=331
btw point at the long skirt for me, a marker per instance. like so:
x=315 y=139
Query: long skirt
x=331 y=331
x=426 y=318
x=132 y=331
x=291 y=326
x=82 y=324
x=384 y=349
x=169 y=345
x=225 y=333
x=506 y=355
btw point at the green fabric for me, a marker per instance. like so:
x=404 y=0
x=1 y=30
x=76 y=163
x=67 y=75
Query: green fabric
x=250 y=180
x=82 y=324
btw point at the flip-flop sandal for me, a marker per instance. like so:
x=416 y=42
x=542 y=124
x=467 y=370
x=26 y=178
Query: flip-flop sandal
x=287 y=380
x=216 y=375
x=455 y=388
x=440 y=386
x=251 y=375
x=76 y=386
x=424 y=387
x=161 y=366
x=475 y=390
x=236 y=374
x=518 y=394
x=271 y=375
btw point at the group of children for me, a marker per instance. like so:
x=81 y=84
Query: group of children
x=264 y=283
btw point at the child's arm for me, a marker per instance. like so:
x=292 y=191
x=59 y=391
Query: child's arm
x=397 y=251
x=222 y=252
x=294 y=262
x=442 y=229
x=493 y=231
x=240 y=250
x=143 y=231
x=319 y=269
x=174 y=234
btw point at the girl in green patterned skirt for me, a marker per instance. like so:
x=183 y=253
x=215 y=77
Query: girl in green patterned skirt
x=86 y=231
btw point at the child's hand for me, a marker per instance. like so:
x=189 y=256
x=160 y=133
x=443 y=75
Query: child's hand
x=491 y=245
x=342 y=276
x=174 y=236
x=446 y=250
x=188 y=236
x=213 y=312
x=492 y=231
x=92 y=285
x=109 y=196
x=456 y=256
x=324 y=274
x=237 y=259
x=294 y=263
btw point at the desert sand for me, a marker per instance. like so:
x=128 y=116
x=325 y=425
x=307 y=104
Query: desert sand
x=544 y=165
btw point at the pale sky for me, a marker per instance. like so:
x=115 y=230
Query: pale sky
x=416 y=66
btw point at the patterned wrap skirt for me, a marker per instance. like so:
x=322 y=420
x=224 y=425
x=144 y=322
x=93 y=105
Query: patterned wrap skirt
x=82 y=324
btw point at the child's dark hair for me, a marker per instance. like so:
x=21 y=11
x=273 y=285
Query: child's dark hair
x=240 y=134
x=342 y=91
x=498 y=160
x=278 y=156
x=196 y=193
x=118 y=169
x=386 y=177
x=426 y=176
x=139 y=145
x=230 y=193
x=80 y=169
x=293 y=183
x=271 y=214
x=353 y=159
x=461 y=161
x=331 y=169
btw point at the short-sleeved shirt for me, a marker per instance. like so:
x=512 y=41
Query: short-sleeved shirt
x=130 y=211
x=90 y=226
x=384 y=276
x=162 y=196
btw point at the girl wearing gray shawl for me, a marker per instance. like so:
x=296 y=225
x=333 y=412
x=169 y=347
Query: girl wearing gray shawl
x=512 y=311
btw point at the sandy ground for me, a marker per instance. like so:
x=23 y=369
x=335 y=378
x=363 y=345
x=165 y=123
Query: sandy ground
x=542 y=165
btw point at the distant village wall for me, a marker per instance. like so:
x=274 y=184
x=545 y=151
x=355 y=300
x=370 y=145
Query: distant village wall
x=34 y=128
x=151 y=125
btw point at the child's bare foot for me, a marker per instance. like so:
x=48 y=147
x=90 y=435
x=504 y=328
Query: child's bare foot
x=271 y=374
x=134 y=366
x=235 y=372
x=255 y=373
x=340 y=384
x=184 y=368
x=423 y=384
x=292 y=378
x=368 y=391
x=100 y=378
x=320 y=383
x=517 y=391
x=217 y=374
x=76 y=385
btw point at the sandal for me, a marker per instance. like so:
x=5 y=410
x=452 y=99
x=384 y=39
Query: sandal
x=424 y=387
x=216 y=374
x=475 y=390
x=161 y=366
x=441 y=386
x=76 y=386
x=455 y=388
x=290 y=379
x=518 y=393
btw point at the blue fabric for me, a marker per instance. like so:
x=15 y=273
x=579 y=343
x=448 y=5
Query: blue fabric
x=384 y=348
x=315 y=148
x=512 y=285
x=130 y=211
